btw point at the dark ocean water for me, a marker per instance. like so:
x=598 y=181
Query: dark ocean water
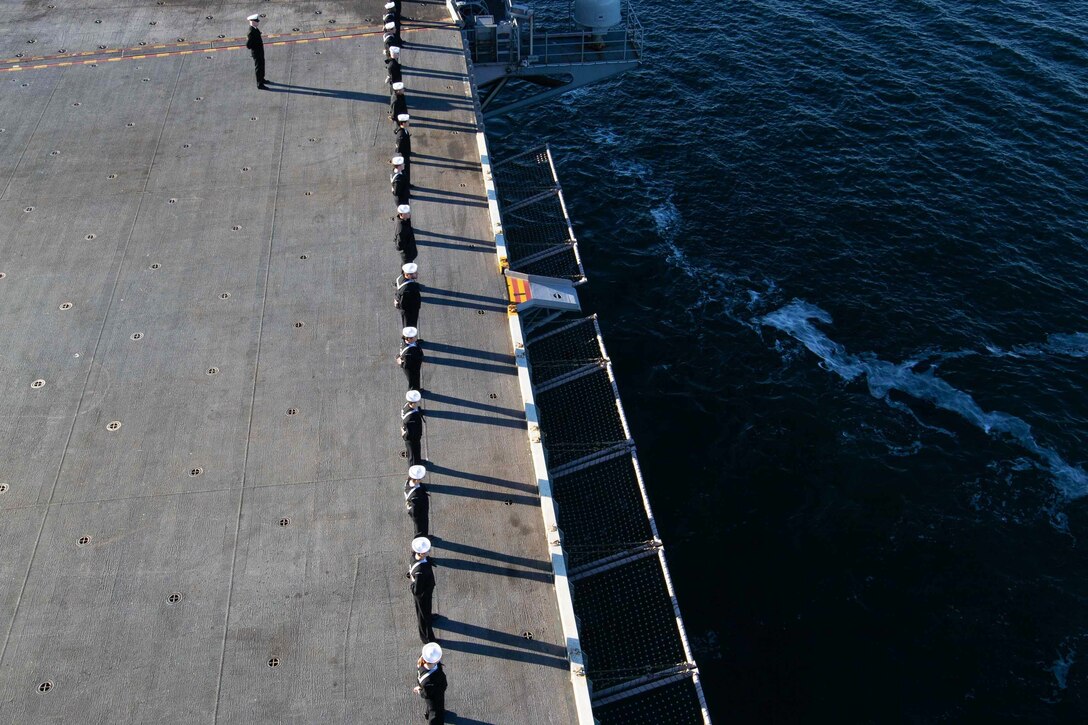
x=839 y=253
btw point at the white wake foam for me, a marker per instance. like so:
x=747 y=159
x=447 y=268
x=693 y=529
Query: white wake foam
x=797 y=320
x=1061 y=666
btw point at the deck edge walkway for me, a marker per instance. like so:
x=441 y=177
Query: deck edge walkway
x=579 y=682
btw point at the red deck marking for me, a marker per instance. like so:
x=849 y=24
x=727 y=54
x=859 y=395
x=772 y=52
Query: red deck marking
x=519 y=290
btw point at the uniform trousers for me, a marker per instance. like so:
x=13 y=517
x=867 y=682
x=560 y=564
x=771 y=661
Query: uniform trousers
x=258 y=67
x=423 y=617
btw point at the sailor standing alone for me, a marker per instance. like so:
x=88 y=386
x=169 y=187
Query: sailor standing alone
x=256 y=49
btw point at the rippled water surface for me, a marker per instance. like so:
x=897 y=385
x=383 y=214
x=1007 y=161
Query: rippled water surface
x=839 y=251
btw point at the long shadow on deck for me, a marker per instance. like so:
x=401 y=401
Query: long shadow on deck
x=444 y=192
x=443 y=200
x=472 y=365
x=417 y=104
x=504 y=638
x=428 y=48
x=440 y=124
x=456 y=237
x=524 y=561
x=407 y=22
x=473 y=418
x=457 y=247
x=451 y=490
x=503 y=357
x=480 y=478
x=327 y=93
x=459 y=97
x=454 y=719
x=443 y=302
x=488 y=650
x=474 y=163
x=452 y=166
x=429 y=73
x=466 y=403
x=485 y=568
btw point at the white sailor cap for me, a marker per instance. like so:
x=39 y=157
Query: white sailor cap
x=404 y=209
x=403 y=117
x=397 y=160
x=410 y=268
x=417 y=472
x=409 y=332
x=390 y=26
x=390 y=6
x=414 y=396
x=421 y=545
x=432 y=653
x=398 y=86
x=255 y=16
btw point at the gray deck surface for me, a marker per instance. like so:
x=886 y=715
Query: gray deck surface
x=326 y=594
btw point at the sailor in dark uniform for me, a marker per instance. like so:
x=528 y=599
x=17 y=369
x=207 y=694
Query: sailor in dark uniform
x=391 y=37
x=410 y=357
x=407 y=298
x=403 y=145
x=404 y=237
x=392 y=13
x=416 y=501
x=398 y=104
x=398 y=181
x=411 y=428
x=392 y=67
x=432 y=684
x=256 y=49
x=421 y=576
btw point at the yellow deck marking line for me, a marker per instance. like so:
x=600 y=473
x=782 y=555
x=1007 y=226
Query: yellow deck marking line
x=330 y=34
x=338 y=36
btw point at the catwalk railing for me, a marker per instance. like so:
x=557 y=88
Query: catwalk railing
x=630 y=660
x=539 y=236
x=635 y=648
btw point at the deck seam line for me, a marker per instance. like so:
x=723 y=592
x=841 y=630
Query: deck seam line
x=347 y=629
x=90 y=360
x=118 y=54
x=183 y=189
x=280 y=484
x=33 y=133
x=253 y=398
